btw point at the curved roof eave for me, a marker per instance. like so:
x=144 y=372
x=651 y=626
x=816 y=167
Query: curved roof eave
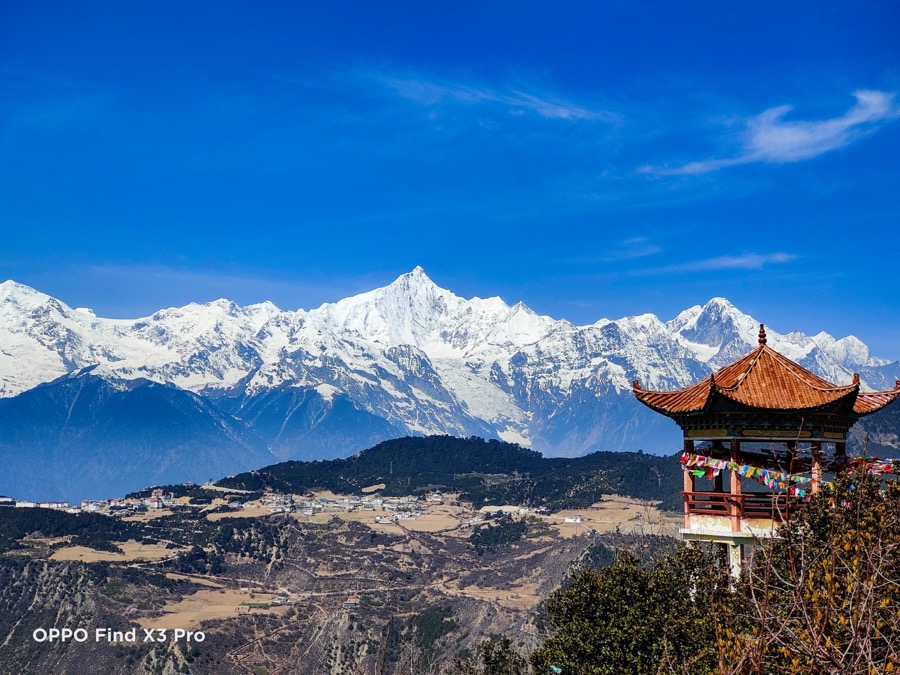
x=763 y=379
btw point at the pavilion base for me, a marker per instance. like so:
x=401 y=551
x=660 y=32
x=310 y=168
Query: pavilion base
x=737 y=546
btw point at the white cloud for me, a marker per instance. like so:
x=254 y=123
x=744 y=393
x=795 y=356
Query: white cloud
x=768 y=137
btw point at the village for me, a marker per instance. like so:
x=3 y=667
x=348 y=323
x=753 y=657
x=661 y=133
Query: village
x=159 y=499
x=432 y=511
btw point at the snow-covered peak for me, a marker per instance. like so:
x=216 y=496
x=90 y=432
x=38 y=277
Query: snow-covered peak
x=642 y=322
x=685 y=319
x=717 y=321
x=414 y=310
x=697 y=320
x=266 y=307
x=413 y=285
x=406 y=311
x=850 y=351
x=10 y=287
x=724 y=304
x=418 y=274
x=20 y=295
x=716 y=333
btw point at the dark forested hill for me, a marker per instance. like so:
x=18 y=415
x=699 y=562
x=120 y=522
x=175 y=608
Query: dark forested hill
x=487 y=472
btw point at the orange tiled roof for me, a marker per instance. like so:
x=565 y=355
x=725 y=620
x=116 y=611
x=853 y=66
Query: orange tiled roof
x=871 y=401
x=765 y=379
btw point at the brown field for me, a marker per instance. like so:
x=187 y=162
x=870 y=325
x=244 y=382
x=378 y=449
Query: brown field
x=518 y=597
x=326 y=516
x=149 y=514
x=435 y=517
x=615 y=513
x=374 y=488
x=505 y=508
x=431 y=522
x=133 y=550
x=535 y=552
x=327 y=494
x=208 y=604
x=387 y=528
x=254 y=511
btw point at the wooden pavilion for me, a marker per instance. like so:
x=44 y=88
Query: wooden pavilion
x=761 y=417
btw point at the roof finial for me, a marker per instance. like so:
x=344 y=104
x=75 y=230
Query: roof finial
x=636 y=385
x=762 y=333
x=855 y=378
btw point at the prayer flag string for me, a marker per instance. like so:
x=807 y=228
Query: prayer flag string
x=702 y=466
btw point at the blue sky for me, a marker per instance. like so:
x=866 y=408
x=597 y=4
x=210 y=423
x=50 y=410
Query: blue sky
x=590 y=159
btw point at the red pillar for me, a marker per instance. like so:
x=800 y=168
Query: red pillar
x=737 y=509
x=688 y=485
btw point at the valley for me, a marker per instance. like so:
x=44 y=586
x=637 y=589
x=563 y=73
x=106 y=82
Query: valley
x=367 y=581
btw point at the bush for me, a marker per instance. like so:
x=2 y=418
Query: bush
x=823 y=598
x=627 y=618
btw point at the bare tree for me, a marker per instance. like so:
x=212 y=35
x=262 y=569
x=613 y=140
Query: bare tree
x=824 y=597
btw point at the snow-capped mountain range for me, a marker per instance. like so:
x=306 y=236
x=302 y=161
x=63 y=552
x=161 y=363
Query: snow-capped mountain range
x=409 y=358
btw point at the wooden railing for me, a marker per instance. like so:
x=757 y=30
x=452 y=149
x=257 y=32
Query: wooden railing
x=747 y=505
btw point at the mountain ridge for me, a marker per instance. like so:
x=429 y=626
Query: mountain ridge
x=412 y=310
x=407 y=358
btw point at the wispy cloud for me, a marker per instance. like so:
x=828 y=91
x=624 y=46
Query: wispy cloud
x=629 y=249
x=770 y=138
x=91 y=112
x=636 y=247
x=434 y=92
x=745 y=261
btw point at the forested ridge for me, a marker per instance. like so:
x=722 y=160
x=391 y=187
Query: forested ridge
x=485 y=472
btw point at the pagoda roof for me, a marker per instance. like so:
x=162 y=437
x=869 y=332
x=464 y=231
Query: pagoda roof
x=767 y=380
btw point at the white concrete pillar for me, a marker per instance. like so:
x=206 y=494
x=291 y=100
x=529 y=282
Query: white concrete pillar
x=735 y=559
